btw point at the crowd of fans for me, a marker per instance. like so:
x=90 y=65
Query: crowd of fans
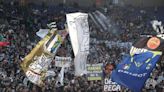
x=19 y=24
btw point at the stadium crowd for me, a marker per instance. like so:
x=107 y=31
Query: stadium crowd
x=18 y=25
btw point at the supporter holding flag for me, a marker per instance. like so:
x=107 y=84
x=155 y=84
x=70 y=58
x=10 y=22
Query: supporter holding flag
x=136 y=68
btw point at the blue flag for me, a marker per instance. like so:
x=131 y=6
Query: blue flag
x=135 y=69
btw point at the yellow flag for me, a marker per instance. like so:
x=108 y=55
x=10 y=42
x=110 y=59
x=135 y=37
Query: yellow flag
x=37 y=51
x=35 y=64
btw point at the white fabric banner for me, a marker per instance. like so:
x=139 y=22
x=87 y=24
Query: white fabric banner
x=34 y=77
x=80 y=64
x=42 y=33
x=79 y=35
x=61 y=61
x=50 y=73
x=78 y=31
x=60 y=77
x=37 y=78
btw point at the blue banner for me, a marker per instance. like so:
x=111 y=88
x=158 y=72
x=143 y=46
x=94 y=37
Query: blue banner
x=134 y=70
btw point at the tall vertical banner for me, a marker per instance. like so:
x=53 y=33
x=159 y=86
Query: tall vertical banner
x=79 y=35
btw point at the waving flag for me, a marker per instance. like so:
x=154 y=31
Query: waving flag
x=31 y=69
x=135 y=69
x=35 y=64
x=2 y=42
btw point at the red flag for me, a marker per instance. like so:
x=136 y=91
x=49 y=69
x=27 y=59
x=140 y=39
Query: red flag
x=4 y=43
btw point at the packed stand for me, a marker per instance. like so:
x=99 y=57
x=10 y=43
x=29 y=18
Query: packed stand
x=19 y=25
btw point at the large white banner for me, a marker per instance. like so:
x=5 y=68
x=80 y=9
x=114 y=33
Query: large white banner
x=79 y=35
x=78 y=31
